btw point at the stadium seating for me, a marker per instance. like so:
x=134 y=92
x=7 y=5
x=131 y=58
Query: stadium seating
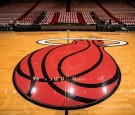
x=48 y=18
x=89 y=7
x=13 y=10
x=122 y=11
x=20 y=12
x=68 y=17
x=88 y=19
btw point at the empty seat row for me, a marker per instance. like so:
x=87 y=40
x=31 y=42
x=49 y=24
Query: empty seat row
x=122 y=11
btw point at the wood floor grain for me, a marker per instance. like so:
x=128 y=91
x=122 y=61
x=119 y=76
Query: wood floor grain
x=14 y=46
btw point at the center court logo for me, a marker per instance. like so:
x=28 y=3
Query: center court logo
x=68 y=76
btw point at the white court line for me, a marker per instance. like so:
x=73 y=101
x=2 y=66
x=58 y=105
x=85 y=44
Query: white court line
x=48 y=41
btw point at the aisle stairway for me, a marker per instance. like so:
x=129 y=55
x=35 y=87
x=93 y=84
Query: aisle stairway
x=55 y=18
x=107 y=12
x=28 y=11
x=80 y=18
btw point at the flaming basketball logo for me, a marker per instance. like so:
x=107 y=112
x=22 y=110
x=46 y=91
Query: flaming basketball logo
x=68 y=76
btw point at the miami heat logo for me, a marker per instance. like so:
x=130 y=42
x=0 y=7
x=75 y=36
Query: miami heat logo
x=68 y=76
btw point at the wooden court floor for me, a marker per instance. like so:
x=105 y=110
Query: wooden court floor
x=14 y=46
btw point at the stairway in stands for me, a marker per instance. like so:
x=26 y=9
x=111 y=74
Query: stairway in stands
x=80 y=18
x=29 y=10
x=55 y=18
x=107 y=12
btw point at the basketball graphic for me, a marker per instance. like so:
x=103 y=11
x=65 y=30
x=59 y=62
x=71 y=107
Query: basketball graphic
x=68 y=76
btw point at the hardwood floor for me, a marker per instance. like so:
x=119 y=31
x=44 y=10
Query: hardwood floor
x=14 y=46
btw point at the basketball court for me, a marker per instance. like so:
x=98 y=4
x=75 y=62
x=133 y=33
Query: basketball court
x=14 y=46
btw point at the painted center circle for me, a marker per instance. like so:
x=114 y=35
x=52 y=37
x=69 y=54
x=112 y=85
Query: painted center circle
x=69 y=76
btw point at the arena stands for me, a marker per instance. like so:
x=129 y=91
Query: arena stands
x=123 y=12
x=68 y=17
x=98 y=15
x=12 y=11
